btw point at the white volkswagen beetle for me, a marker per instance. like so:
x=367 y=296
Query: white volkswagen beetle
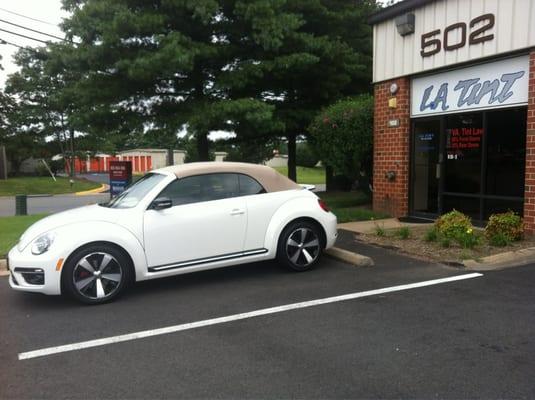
x=174 y=220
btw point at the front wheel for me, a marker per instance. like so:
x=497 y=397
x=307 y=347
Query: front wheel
x=96 y=274
x=299 y=246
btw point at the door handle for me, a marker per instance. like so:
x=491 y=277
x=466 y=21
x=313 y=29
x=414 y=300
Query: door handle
x=237 y=211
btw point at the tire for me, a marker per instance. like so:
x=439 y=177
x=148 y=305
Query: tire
x=299 y=247
x=97 y=274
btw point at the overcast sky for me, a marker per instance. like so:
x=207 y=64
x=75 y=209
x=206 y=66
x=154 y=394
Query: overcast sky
x=40 y=15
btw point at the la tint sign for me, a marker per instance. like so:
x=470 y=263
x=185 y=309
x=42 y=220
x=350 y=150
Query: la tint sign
x=499 y=84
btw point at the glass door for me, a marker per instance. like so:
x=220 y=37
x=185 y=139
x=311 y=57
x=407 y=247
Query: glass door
x=426 y=167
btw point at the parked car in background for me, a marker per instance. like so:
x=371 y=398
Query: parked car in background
x=174 y=220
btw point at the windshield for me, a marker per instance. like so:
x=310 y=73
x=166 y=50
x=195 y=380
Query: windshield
x=135 y=192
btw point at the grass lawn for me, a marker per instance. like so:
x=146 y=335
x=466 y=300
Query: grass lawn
x=350 y=206
x=312 y=176
x=12 y=227
x=43 y=185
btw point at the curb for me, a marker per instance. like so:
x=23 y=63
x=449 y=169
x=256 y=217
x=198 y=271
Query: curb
x=3 y=268
x=349 y=257
x=101 y=189
x=505 y=260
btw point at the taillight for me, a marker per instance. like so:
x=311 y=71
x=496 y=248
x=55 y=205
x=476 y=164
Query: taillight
x=323 y=205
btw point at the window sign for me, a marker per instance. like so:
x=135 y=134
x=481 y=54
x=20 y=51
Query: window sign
x=499 y=84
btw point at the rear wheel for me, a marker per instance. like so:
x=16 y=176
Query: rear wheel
x=96 y=274
x=299 y=246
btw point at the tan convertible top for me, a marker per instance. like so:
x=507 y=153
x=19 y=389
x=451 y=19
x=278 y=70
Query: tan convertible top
x=270 y=179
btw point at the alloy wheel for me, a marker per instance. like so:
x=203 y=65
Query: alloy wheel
x=97 y=275
x=302 y=247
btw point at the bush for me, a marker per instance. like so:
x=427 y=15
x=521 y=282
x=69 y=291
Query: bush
x=453 y=225
x=403 y=233
x=504 y=227
x=305 y=156
x=468 y=239
x=343 y=136
x=431 y=235
x=499 y=239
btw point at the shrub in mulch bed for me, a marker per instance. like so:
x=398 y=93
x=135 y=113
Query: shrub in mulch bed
x=504 y=228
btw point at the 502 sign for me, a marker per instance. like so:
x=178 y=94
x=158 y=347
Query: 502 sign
x=431 y=44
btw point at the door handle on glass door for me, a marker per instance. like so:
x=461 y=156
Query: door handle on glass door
x=237 y=211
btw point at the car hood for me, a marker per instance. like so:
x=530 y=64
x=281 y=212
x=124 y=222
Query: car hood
x=82 y=214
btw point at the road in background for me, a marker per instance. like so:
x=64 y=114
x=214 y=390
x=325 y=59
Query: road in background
x=51 y=204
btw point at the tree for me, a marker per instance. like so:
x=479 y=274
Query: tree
x=306 y=155
x=159 y=65
x=307 y=54
x=45 y=106
x=6 y=109
x=343 y=136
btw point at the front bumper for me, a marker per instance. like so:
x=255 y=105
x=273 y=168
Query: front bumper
x=30 y=273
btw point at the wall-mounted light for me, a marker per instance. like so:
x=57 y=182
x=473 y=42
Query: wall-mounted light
x=405 y=24
x=390 y=176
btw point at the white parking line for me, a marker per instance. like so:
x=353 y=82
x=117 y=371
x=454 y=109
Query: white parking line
x=221 y=320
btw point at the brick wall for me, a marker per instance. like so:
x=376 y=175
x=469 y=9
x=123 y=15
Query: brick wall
x=391 y=149
x=529 y=194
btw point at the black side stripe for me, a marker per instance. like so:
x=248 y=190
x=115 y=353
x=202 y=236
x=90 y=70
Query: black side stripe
x=206 y=260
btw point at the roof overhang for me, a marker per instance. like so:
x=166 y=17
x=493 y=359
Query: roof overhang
x=397 y=9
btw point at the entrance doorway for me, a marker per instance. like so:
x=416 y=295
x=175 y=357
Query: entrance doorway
x=472 y=162
x=426 y=167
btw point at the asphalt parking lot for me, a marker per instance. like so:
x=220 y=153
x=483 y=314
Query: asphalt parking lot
x=471 y=338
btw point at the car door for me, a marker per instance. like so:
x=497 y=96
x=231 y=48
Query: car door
x=261 y=207
x=206 y=222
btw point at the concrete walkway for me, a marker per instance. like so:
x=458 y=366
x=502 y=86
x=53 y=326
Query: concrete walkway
x=371 y=226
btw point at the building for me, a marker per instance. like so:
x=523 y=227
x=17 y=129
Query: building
x=157 y=157
x=143 y=160
x=454 y=84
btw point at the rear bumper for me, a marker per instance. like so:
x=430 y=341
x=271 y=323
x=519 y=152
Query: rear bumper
x=330 y=224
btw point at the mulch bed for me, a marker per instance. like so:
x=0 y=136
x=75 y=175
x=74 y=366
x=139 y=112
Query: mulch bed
x=416 y=246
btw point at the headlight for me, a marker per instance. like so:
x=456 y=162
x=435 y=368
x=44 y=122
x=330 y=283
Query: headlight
x=42 y=243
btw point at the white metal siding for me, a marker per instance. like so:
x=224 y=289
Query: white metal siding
x=396 y=56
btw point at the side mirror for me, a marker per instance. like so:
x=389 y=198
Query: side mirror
x=161 y=203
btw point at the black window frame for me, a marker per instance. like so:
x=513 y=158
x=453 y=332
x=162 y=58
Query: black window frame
x=481 y=195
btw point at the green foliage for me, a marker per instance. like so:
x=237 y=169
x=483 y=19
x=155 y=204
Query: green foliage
x=380 y=231
x=348 y=206
x=11 y=228
x=259 y=68
x=453 y=224
x=44 y=185
x=506 y=226
x=403 y=233
x=306 y=156
x=431 y=235
x=468 y=239
x=499 y=239
x=445 y=242
x=345 y=199
x=313 y=176
x=457 y=226
x=343 y=135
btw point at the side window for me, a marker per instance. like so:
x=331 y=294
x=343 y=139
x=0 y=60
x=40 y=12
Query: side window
x=249 y=186
x=195 y=189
